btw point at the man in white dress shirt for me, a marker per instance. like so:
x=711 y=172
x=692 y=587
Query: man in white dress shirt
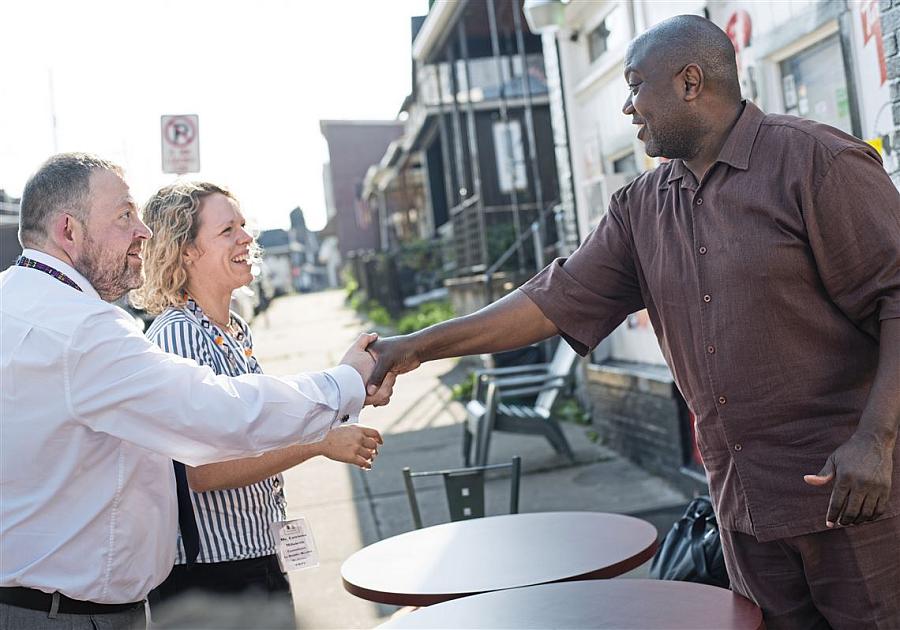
x=92 y=413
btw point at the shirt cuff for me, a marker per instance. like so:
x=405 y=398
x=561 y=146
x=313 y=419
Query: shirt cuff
x=351 y=394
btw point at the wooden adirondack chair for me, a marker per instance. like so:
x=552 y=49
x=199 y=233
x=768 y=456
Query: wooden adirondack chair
x=492 y=410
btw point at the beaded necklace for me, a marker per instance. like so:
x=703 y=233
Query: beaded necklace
x=22 y=261
x=218 y=336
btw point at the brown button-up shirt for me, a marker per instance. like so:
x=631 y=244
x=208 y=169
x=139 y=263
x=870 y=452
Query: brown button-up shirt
x=766 y=283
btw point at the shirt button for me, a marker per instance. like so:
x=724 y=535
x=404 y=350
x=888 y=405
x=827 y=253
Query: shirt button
x=738 y=447
x=699 y=201
x=722 y=400
x=703 y=250
x=345 y=418
x=711 y=349
x=707 y=298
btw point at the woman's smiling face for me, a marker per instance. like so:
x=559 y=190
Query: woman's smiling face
x=221 y=253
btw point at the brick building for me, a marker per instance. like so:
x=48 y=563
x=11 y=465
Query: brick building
x=353 y=146
x=890 y=31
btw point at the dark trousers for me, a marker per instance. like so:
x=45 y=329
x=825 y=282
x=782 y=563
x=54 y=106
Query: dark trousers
x=848 y=577
x=237 y=576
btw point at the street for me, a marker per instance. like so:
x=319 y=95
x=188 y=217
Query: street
x=348 y=509
x=311 y=332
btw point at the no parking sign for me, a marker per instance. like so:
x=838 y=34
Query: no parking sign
x=180 y=144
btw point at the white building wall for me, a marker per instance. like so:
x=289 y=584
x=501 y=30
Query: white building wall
x=870 y=67
x=330 y=209
x=278 y=269
x=330 y=257
x=600 y=134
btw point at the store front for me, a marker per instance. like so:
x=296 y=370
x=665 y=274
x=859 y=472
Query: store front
x=811 y=88
x=816 y=59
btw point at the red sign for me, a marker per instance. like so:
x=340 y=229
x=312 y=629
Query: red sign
x=871 y=27
x=739 y=30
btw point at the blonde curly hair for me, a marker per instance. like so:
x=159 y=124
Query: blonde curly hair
x=172 y=214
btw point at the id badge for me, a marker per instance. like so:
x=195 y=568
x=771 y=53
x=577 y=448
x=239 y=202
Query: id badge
x=295 y=545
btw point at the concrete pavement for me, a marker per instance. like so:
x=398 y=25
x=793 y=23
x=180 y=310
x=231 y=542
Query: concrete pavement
x=348 y=508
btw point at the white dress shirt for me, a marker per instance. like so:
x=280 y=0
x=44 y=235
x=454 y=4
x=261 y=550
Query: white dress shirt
x=91 y=416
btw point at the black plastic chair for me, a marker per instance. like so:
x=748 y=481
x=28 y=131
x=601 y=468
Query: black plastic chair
x=465 y=490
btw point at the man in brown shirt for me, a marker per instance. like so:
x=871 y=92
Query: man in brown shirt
x=767 y=253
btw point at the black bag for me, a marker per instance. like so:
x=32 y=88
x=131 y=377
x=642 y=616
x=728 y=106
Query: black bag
x=692 y=550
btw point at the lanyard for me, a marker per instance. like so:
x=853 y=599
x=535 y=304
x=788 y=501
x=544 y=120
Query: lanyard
x=22 y=261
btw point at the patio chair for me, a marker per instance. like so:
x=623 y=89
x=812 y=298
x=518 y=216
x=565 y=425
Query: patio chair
x=465 y=490
x=492 y=408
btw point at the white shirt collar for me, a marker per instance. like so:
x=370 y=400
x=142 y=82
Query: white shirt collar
x=59 y=265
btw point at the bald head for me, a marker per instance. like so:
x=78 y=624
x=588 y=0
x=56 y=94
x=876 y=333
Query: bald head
x=690 y=39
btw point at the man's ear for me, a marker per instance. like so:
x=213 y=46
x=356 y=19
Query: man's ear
x=693 y=81
x=67 y=233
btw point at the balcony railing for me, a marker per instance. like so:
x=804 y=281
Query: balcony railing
x=470 y=246
x=435 y=86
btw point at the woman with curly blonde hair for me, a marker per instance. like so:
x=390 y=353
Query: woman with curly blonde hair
x=200 y=253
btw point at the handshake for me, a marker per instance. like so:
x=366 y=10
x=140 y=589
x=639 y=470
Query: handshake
x=378 y=364
x=360 y=358
x=379 y=361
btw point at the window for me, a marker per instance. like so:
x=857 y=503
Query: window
x=626 y=165
x=814 y=84
x=598 y=41
x=510 y=156
x=610 y=35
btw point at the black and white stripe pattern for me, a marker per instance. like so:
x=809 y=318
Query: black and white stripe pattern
x=233 y=524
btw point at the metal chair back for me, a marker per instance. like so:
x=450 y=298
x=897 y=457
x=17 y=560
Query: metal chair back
x=465 y=490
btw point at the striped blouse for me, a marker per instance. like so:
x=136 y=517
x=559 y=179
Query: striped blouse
x=233 y=524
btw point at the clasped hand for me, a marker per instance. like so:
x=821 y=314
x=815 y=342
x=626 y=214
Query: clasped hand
x=393 y=356
x=360 y=359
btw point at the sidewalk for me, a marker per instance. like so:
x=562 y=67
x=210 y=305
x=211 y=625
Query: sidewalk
x=348 y=508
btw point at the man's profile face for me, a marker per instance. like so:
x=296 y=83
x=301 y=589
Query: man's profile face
x=666 y=127
x=113 y=235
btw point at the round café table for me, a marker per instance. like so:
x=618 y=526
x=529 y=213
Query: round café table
x=443 y=562
x=620 y=604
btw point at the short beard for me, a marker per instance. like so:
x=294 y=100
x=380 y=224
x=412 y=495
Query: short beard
x=681 y=140
x=108 y=279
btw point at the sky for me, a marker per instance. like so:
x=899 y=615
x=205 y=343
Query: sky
x=260 y=74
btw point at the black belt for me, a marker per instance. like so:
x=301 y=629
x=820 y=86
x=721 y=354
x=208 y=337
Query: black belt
x=34 y=599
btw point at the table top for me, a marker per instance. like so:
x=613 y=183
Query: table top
x=436 y=564
x=621 y=604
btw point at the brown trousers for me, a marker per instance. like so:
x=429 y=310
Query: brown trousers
x=848 y=577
